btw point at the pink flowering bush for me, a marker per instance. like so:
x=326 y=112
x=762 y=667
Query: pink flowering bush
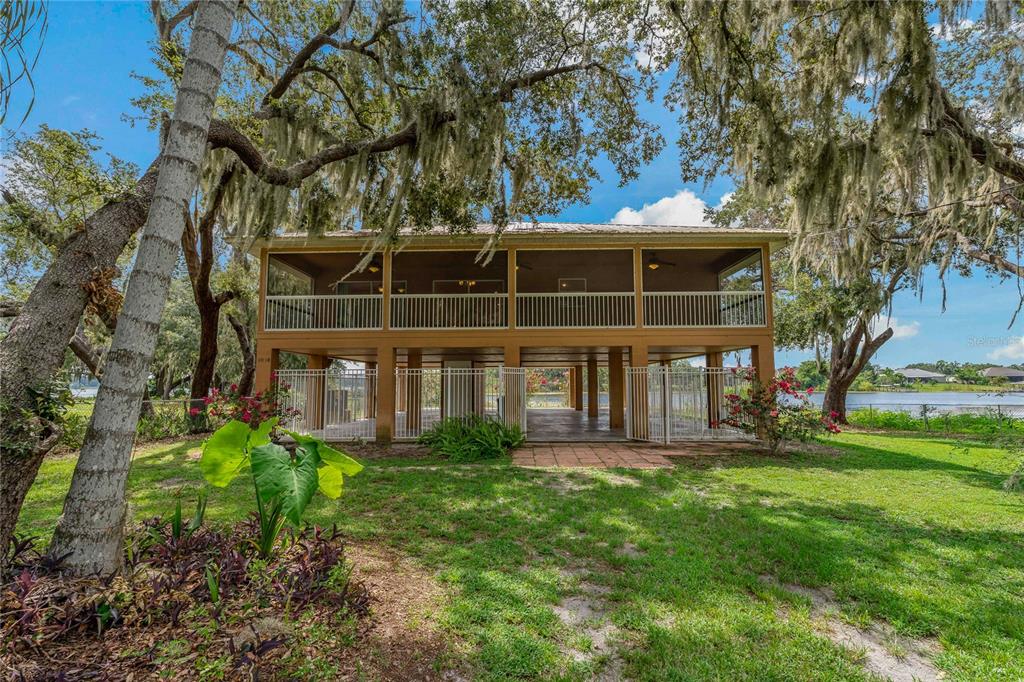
x=777 y=411
x=251 y=409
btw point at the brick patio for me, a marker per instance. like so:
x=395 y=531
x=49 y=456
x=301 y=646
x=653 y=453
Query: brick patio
x=623 y=455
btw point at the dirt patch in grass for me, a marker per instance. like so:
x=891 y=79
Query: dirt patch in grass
x=587 y=614
x=400 y=640
x=878 y=647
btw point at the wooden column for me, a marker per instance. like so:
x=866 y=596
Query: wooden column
x=577 y=387
x=315 y=392
x=385 y=304
x=766 y=284
x=716 y=387
x=638 y=284
x=413 y=391
x=513 y=396
x=268 y=359
x=371 y=390
x=513 y=282
x=638 y=387
x=763 y=358
x=385 y=412
x=593 y=395
x=616 y=402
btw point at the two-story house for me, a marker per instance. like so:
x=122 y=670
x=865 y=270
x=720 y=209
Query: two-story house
x=437 y=327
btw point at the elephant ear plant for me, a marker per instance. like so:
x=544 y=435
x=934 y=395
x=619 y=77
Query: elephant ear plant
x=285 y=482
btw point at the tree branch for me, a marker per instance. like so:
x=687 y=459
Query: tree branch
x=302 y=56
x=993 y=259
x=223 y=136
x=33 y=223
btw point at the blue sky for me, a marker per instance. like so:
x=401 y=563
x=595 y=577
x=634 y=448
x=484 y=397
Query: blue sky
x=84 y=81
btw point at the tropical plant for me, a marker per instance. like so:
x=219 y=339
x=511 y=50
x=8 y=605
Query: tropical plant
x=473 y=438
x=284 y=481
x=777 y=410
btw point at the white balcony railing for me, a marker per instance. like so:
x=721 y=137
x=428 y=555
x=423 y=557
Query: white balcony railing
x=449 y=311
x=582 y=310
x=322 y=312
x=704 y=309
x=677 y=309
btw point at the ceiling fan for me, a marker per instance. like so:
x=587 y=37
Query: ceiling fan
x=653 y=262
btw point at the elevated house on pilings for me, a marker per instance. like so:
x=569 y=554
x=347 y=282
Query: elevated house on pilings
x=432 y=329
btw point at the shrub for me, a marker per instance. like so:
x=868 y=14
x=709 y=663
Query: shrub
x=253 y=410
x=472 y=438
x=74 y=428
x=777 y=411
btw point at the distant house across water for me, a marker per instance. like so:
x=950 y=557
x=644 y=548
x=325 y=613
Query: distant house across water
x=922 y=375
x=1010 y=374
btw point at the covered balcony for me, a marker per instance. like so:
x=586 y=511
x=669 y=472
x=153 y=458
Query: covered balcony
x=524 y=288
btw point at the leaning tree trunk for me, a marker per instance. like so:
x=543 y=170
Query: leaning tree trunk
x=849 y=356
x=34 y=347
x=90 y=530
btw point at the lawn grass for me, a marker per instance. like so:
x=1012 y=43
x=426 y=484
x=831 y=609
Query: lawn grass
x=909 y=530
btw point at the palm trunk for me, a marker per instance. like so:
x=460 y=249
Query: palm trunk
x=90 y=530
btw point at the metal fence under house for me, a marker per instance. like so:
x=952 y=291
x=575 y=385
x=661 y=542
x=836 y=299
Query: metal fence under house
x=424 y=397
x=666 y=405
x=333 y=404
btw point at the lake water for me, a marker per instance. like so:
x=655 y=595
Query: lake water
x=940 y=402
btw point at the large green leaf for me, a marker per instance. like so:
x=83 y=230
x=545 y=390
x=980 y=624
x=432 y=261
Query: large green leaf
x=224 y=453
x=331 y=481
x=261 y=434
x=292 y=482
x=335 y=458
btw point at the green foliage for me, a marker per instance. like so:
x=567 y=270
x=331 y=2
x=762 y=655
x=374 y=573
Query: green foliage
x=285 y=482
x=988 y=423
x=473 y=438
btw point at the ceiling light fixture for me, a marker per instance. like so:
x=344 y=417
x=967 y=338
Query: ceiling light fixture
x=653 y=263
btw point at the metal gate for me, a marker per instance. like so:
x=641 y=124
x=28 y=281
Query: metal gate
x=667 y=404
x=333 y=404
x=423 y=397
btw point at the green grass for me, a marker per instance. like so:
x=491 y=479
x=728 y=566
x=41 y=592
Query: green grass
x=909 y=530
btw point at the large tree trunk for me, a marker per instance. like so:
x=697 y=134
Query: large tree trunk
x=34 y=347
x=849 y=356
x=248 y=378
x=90 y=530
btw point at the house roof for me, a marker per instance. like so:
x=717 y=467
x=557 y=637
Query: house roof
x=1002 y=372
x=525 y=231
x=913 y=373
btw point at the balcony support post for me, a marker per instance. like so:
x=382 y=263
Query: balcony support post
x=593 y=395
x=715 y=386
x=268 y=360
x=616 y=402
x=385 y=303
x=763 y=358
x=316 y=391
x=413 y=390
x=385 y=394
x=638 y=285
x=513 y=282
x=577 y=387
x=638 y=387
x=512 y=390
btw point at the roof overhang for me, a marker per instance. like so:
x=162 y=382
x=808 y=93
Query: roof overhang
x=543 y=234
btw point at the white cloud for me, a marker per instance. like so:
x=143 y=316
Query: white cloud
x=899 y=330
x=682 y=208
x=1011 y=351
x=947 y=33
x=69 y=100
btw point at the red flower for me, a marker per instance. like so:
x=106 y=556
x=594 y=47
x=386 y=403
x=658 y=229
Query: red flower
x=194 y=412
x=810 y=390
x=234 y=388
x=246 y=416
